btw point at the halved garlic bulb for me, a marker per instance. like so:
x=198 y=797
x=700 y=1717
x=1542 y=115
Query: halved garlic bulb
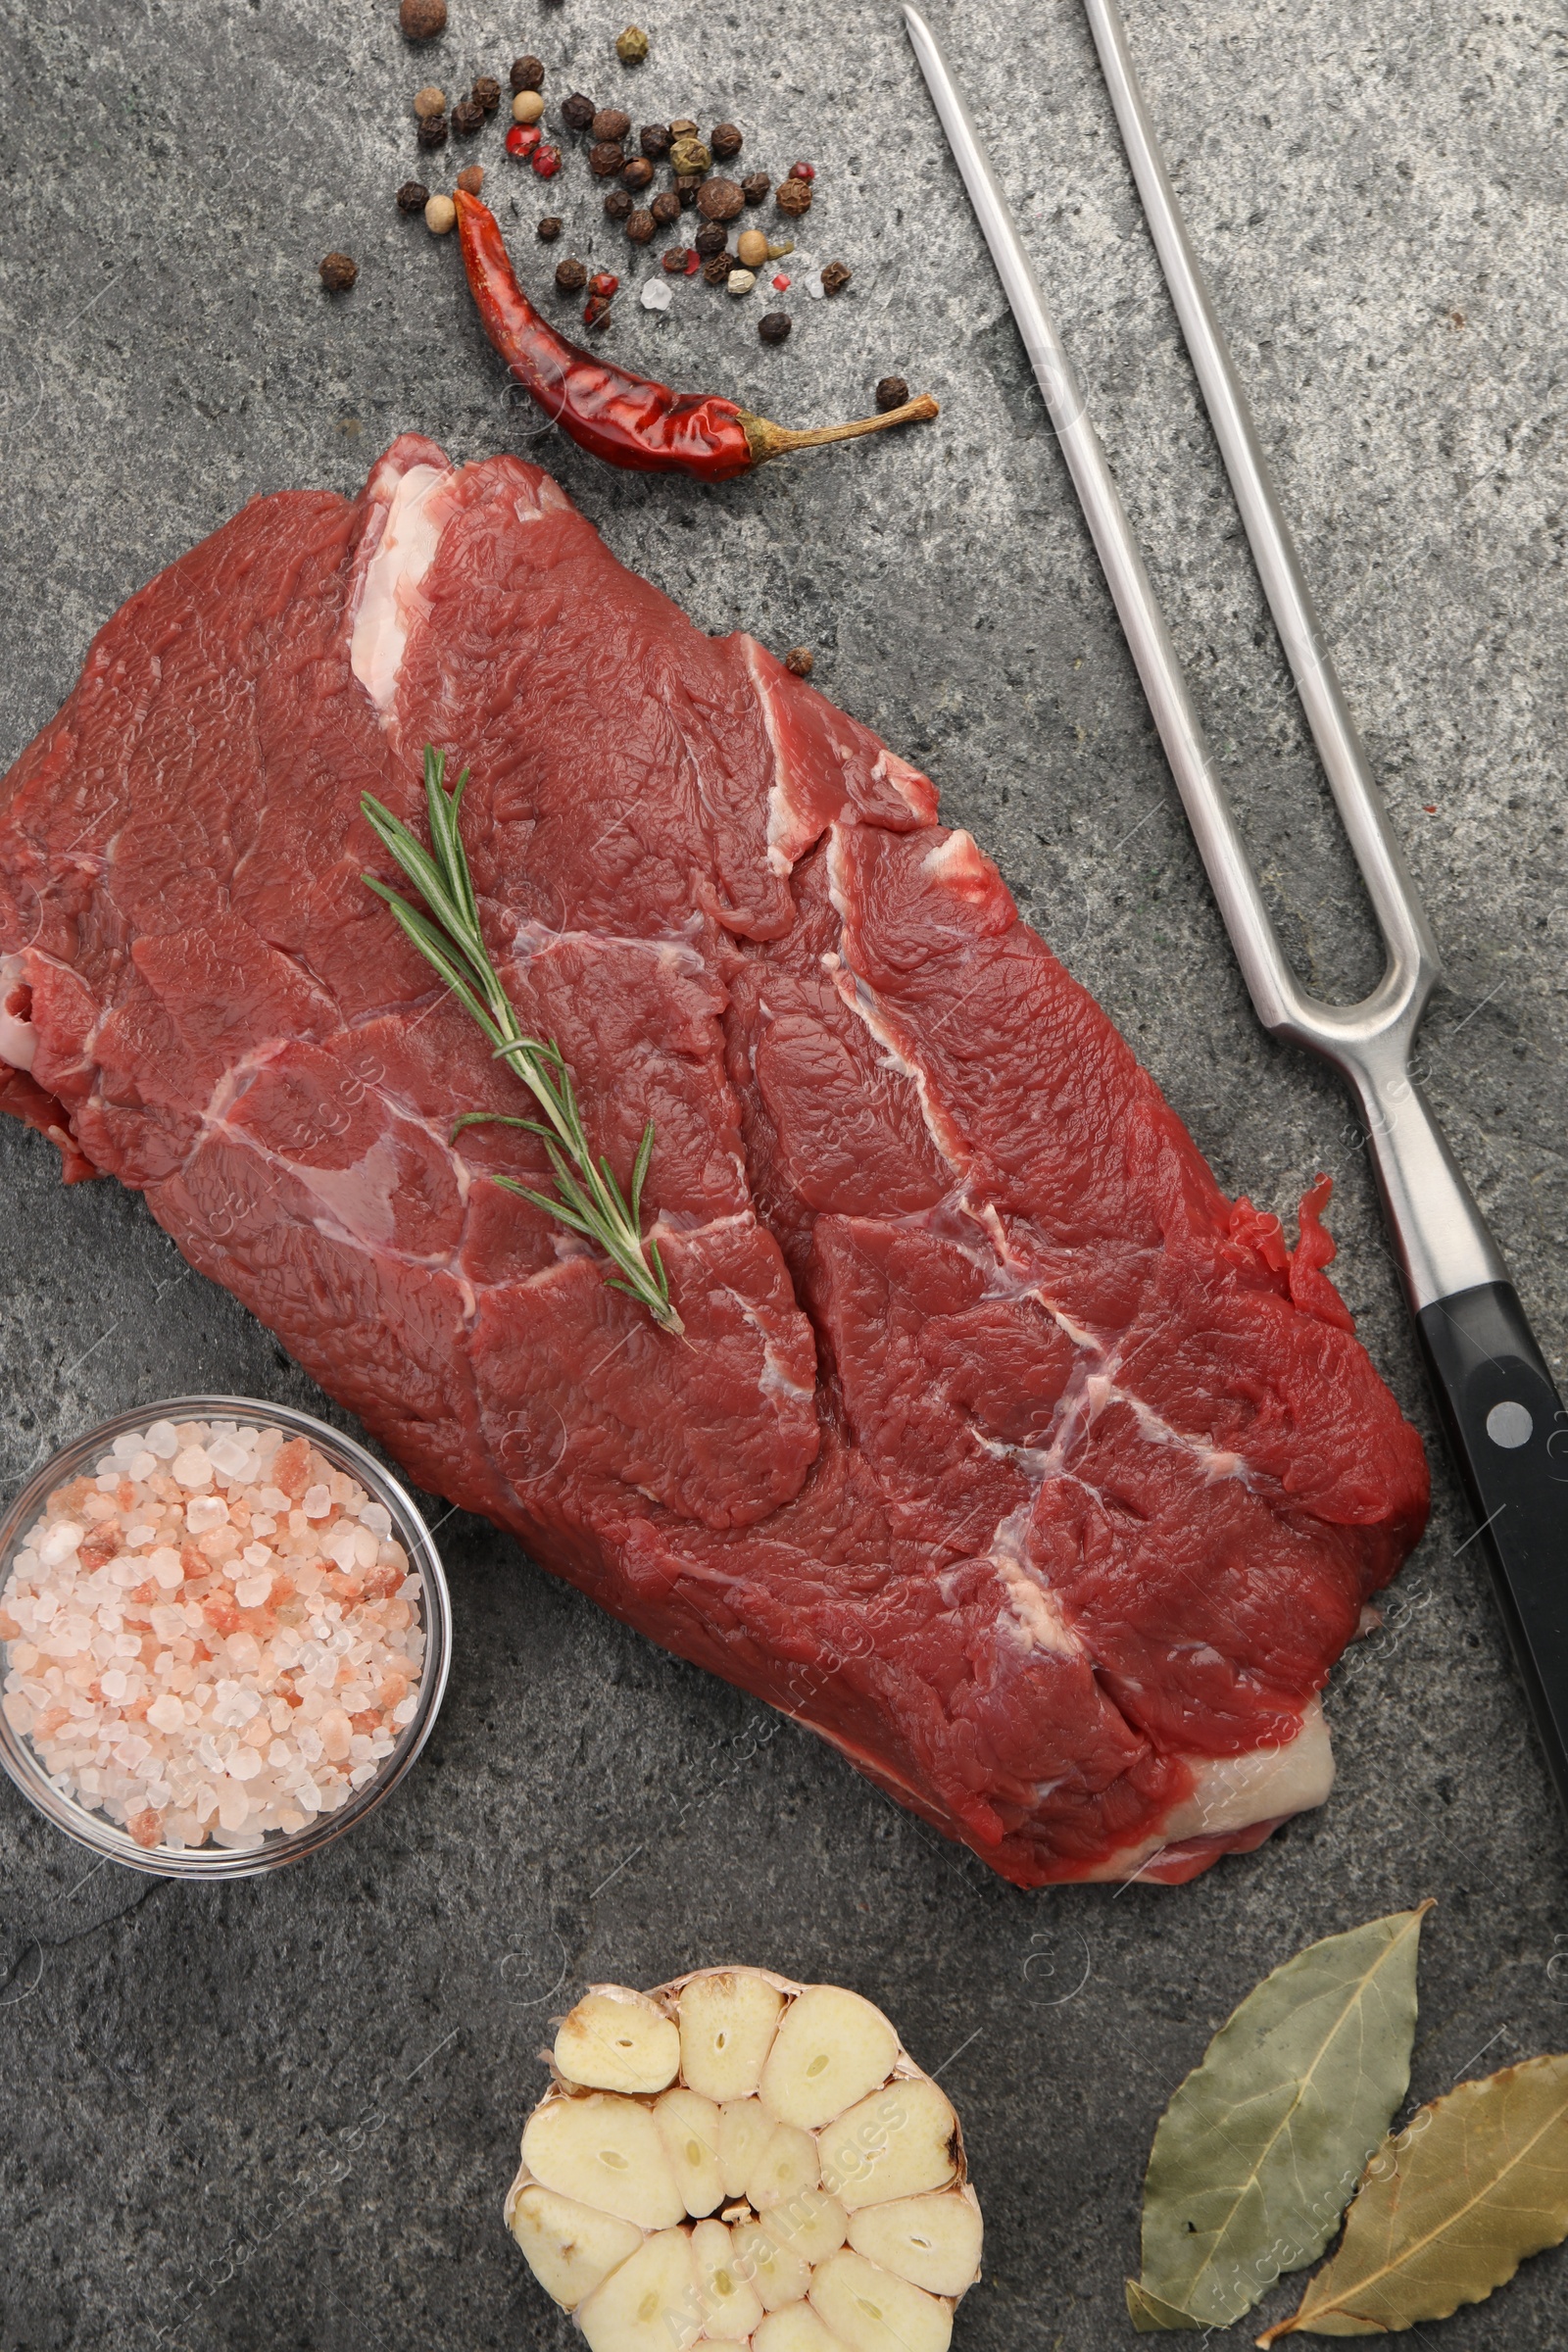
x=737 y=2160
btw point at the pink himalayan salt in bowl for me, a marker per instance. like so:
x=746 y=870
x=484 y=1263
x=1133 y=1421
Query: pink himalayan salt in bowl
x=224 y=1634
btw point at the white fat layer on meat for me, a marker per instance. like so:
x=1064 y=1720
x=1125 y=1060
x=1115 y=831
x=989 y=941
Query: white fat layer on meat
x=958 y=858
x=19 y=1040
x=1233 y=1792
x=670 y=951
x=776 y=1382
x=1037 y=1616
x=915 y=791
x=360 y=1199
x=789 y=834
x=389 y=602
x=773 y=1380
x=861 y=998
x=861 y=1001
x=1215 y=1461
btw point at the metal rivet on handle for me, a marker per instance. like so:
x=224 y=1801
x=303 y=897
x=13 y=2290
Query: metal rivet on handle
x=1509 y=1424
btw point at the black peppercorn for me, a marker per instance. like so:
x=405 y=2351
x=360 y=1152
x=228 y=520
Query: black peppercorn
x=577 y=111
x=609 y=125
x=800 y=660
x=421 y=20
x=486 y=93
x=605 y=159
x=776 y=328
x=725 y=140
x=466 y=119
x=711 y=238
x=413 y=196
x=666 y=207
x=716 y=268
x=432 y=132
x=619 y=205
x=720 y=200
x=638 y=173
x=549 y=229
x=754 y=187
x=892 y=392
x=686 y=187
x=654 y=141
x=338 y=272
x=571 y=276
x=836 y=276
x=640 y=227
x=528 y=73
x=794 y=197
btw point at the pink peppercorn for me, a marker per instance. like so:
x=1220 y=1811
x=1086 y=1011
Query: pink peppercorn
x=803 y=171
x=546 y=160
x=603 y=283
x=522 y=138
x=694 y=262
x=780 y=282
x=595 y=311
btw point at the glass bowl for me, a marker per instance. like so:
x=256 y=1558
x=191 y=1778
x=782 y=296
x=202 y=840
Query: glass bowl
x=280 y=1845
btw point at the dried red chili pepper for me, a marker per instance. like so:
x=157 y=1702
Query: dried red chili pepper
x=627 y=419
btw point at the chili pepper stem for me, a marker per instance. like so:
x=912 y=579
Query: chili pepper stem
x=768 y=440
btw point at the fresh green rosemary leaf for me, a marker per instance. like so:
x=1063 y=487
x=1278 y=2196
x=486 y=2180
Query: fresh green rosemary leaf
x=589 y=1199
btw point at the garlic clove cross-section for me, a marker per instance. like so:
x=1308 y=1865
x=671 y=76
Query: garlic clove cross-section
x=894 y=2144
x=651 y=2304
x=737 y=2160
x=617 y=2041
x=868 y=2310
x=830 y=2050
x=569 y=2247
x=689 y=2125
x=795 y=2328
x=933 y=2241
x=728 y=2017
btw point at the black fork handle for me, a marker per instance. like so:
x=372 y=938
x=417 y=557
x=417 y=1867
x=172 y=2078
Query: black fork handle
x=1509 y=1435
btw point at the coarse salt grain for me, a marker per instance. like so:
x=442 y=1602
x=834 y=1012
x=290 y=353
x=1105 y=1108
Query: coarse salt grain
x=192 y=1750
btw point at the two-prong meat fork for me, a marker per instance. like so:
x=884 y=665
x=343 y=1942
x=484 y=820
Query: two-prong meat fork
x=1502 y=1415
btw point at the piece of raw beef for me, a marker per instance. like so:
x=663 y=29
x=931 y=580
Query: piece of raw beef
x=1007 y=1452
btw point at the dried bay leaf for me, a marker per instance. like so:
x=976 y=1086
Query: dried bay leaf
x=1257 y=2155
x=1449 y=2207
x=1148 y=2313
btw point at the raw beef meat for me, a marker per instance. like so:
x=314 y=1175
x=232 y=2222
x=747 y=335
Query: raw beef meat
x=1007 y=1451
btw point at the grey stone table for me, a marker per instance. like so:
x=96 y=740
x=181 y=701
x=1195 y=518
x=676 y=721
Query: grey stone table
x=283 y=2114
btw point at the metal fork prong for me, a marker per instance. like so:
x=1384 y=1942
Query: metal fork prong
x=1274 y=990
x=1441 y=1238
x=1414 y=965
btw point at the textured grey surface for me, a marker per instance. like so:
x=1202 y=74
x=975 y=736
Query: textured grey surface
x=283 y=2114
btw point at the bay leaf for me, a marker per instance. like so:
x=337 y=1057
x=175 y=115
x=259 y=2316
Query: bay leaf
x=1449 y=2207
x=1257 y=2155
x=1148 y=2313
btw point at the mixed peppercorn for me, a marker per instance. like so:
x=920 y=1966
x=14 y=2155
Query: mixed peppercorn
x=630 y=161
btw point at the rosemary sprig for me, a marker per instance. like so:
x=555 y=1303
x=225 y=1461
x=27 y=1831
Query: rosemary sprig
x=589 y=1201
